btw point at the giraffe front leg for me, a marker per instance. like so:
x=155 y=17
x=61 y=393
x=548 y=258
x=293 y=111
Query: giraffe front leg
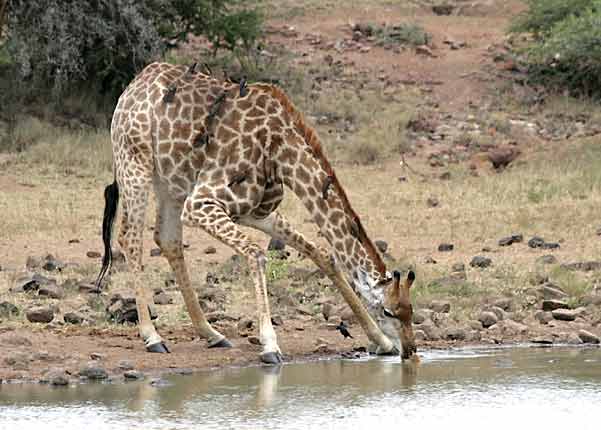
x=209 y=215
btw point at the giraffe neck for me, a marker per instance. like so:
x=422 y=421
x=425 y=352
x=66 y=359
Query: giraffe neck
x=307 y=172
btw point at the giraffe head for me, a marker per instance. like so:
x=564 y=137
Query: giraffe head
x=397 y=307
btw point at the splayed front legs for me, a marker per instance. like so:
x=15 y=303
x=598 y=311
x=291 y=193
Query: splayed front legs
x=277 y=226
x=209 y=215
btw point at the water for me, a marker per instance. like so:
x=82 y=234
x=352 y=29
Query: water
x=507 y=388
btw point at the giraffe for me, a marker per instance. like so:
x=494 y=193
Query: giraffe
x=218 y=155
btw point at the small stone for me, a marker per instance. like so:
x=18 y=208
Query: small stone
x=432 y=332
x=574 y=339
x=245 y=324
x=432 y=202
x=424 y=50
x=550 y=245
x=93 y=371
x=445 y=176
x=547 y=259
x=93 y=254
x=51 y=264
x=382 y=245
x=551 y=305
x=475 y=325
x=564 y=314
x=277 y=320
x=40 y=314
x=53 y=291
x=57 y=377
x=162 y=299
x=421 y=315
x=430 y=260
x=32 y=283
x=445 y=247
x=455 y=333
x=510 y=240
x=210 y=250
x=8 y=310
x=155 y=252
x=73 y=318
x=276 y=245
x=133 y=375
x=543 y=340
x=440 y=306
x=96 y=356
x=488 y=319
x=479 y=261
x=254 y=340
x=552 y=291
x=125 y=365
x=505 y=303
x=443 y=9
x=588 y=337
x=536 y=242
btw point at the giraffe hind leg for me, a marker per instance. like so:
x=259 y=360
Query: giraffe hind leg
x=210 y=216
x=168 y=236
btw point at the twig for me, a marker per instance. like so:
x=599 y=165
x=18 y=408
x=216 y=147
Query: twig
x=411 y=169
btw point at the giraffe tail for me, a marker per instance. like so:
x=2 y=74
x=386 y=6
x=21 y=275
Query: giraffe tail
x=111 y=201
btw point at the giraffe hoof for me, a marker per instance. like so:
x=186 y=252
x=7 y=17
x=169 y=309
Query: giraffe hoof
x=158 y=347
x=272 y=358
x=221 y=343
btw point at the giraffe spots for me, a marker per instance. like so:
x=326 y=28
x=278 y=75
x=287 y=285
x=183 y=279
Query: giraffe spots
x=181 y=130
x=303 y=174
x=224 y=134
x=322 y=205
x=217 y=176
x=300 y=192
x=319 y=219
x=233 y=119
x=185 y=97
x=187 y=113
x=312 y=191
x=166 y=164
x=335 y=217
x=261 y=101
x=275 y=124
x=288 y=156
x=251 y=124
x=244 y=104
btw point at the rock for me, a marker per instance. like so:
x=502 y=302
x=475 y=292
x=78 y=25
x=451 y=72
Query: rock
x=588 y=337
x=551 y=245
x=445 y=247
x=93 y=254
x=155 y=252
x=245 y=324
x=424 y=50
x=421 y=315
x=442 y=320
x=473 y=336
x=125 y=365
x=551 y=305
x=543 y=340
x=502 y=157
x=543 y=317
x=96 y=356
x=40 y=314
x=93 y=371
x=348 y=316
x=574 y=339
x=33 y=263
x=254 y=340
x=455 y=333
x=276 y=245
x=322 y=348
x=432 y=202
x=546 y=259
x=536 y=242
x=133 y=375
x=73 y=318
x=499 y=313
x=122 y=309
x=564 y=314
x=51 y=264
x=8 y=310
x=487 y=319
x=277 y=320
x=479 y=261
x=57 y=377
x=475 y=325
x=210 y=250
x=552 y=291
x=53 y=291
x=440 y=306
x=162 y=299
x=443 y=9
x=510 y=240
x=382 y=245
x=432 y=332
x=220 y=316
x=505 y=303
x=583 y=266
x=32 y=283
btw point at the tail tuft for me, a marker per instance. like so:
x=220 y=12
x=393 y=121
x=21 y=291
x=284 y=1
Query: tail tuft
x=111 y=202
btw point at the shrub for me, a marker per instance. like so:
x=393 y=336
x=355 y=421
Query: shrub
x=566 y=49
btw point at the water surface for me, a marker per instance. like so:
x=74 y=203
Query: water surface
x=502 y=388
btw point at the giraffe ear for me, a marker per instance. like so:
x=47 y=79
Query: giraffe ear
x=410 y=279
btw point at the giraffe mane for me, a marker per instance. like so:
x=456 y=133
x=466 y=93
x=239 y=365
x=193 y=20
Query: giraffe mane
x=310 y=136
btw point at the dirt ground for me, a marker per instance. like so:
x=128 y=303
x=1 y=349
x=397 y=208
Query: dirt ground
x=444 y=191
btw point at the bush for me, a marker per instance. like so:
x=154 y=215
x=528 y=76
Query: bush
x=60 y=45
x=566 y=49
